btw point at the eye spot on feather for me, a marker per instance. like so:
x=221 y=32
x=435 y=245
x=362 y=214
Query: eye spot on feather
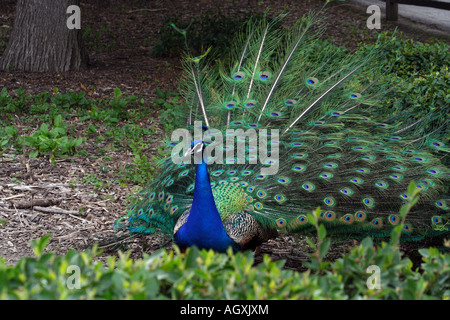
x=239 y=76
x=281 y=223
x=404 y=196
x=300 y=221
x=230 y=105
x=284 y=181
x=329 y=201
x=420 y=159
x=369 y=202
x=280 y=198
x=173 y=210
x=357 y=180
x=275 y=114
x=259 y=206
x=246 y=173
x=250 y=104
x=393 y=219
x=261 y=194
x=407 y=228
x=377 y=223
x=168 y=184
x=326 y=175
x=290 y=102
x=308 y=186
x=298 y=168
x=330 y=216
x=434 y=171
x=237 y=123
x=266 y=75
x=436 y=220
x=354 y=95
x=393 y=157
x=396 y=177
x=360 y=216
x=348 y=219
x=381 y=184
x=441 y=204
x=346 y=191
x=437 y=144
x=330 y=165
x=311 y=82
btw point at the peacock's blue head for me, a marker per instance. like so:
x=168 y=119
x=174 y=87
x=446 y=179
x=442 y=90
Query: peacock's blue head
x=197 y=146
x=196 y=149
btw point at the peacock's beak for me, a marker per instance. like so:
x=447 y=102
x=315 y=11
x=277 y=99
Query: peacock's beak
x=194 y=148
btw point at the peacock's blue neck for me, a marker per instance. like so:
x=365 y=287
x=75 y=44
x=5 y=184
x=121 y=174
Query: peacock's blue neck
x=204 y=227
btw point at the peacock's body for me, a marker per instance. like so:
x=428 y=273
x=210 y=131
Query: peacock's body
x=314 y=109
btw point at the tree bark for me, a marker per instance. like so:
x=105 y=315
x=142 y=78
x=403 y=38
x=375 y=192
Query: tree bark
x=41 y=40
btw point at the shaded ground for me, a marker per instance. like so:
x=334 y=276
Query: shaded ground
x=119 y=57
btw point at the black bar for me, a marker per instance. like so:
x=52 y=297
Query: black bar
x=423 y=3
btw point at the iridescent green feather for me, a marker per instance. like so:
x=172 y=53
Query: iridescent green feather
x=335 y=151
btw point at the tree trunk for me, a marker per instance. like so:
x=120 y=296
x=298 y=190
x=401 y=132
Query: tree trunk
x=41 y=39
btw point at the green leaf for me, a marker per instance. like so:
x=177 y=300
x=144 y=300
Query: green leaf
x=324 y=246
x=367 y=243
x=311 y=243
x=117 y=93
x=57 y=122
x=40 y=244
x=33 y=154
x=322 y=232
x=412 y=188
x=160 y=94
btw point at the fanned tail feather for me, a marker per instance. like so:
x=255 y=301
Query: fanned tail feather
x=334 y=153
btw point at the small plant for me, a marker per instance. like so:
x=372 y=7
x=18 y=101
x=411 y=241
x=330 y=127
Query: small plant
x=171 y=105
x=93 y=179
x=120 y=104
x=210 y=29
x=53 y=142
x=8 y=138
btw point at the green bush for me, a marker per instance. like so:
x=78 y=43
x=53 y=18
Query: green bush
x=212 y=28
x=54 y=142
x=172 y=109
x=208 y=275
x=202 y=274
x=424 y=93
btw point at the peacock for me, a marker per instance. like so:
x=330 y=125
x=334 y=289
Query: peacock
x=279 y=126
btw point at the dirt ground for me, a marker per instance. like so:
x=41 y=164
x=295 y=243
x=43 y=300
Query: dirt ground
x=134 y=27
